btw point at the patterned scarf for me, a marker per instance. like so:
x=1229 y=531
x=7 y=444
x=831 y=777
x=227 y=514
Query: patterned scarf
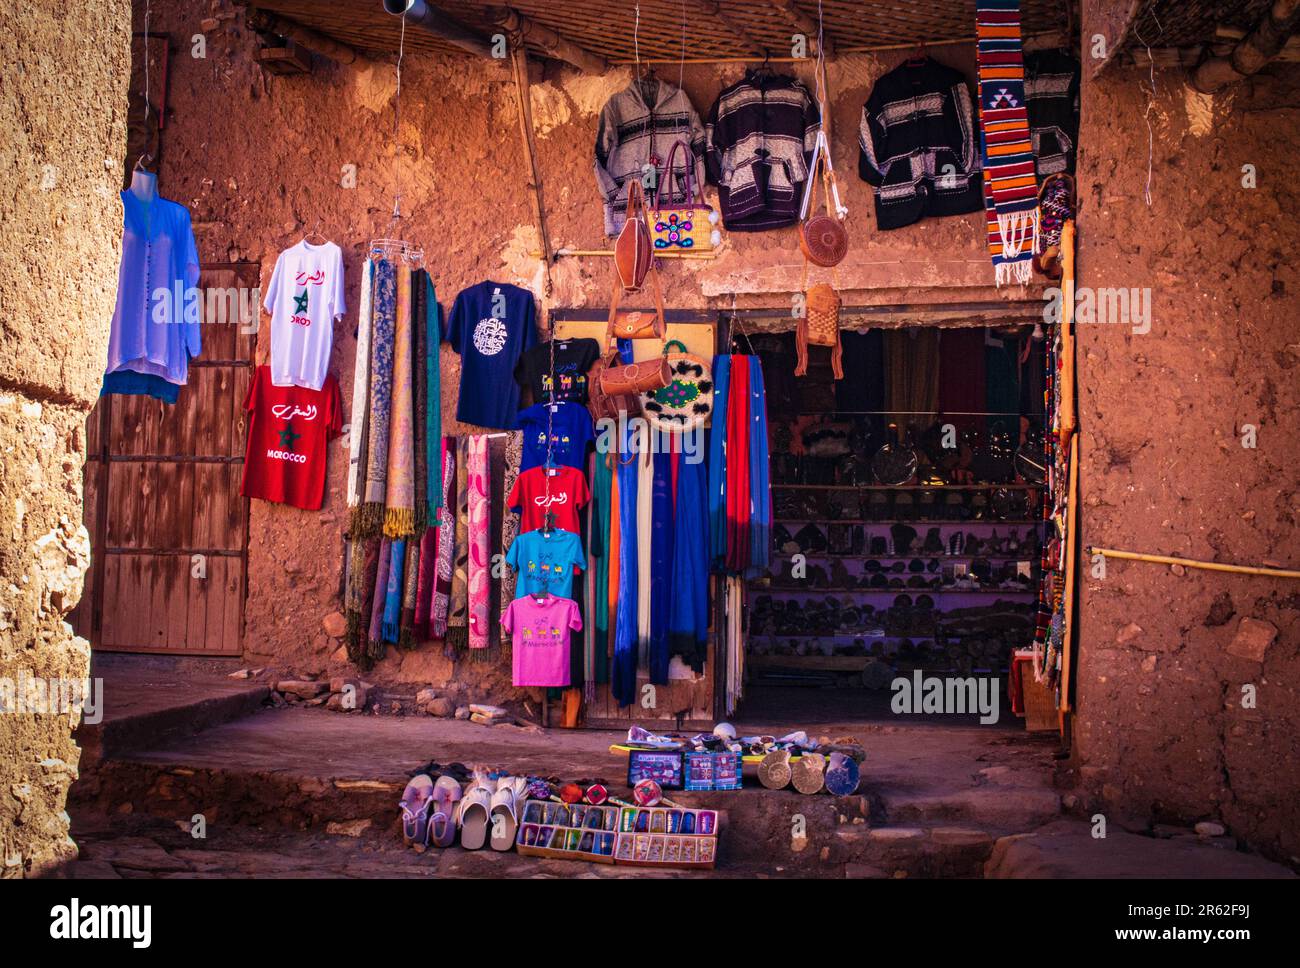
x=376 y=647
x=446 y=542
x=399 y=499
x=420 y=381
x=371 y=515
x=510 y=523
x=360 y=396
x=479 y=566
x=410 y=581
x=458 y=607
x=363 y=568
x=1010 y=189
x=433 y=441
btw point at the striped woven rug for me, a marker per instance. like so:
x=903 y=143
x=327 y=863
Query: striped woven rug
x=1010 y=190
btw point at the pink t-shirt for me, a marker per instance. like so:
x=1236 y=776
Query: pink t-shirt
x=540 y=636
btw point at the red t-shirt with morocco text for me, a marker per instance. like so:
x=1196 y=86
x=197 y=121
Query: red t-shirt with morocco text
x=288 y=433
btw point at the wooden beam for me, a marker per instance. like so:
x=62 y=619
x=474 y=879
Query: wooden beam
x=1112 y=19
x=803 y=22
x=1254 y=52
x=548 y=42
x=420 y=14
x=519 y=65
x=261 y=20
x=715 y=10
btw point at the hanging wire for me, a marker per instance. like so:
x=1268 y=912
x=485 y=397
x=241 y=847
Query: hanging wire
x=1146 y=115
x=636 y=41
x=145 y=45
x=397 y=121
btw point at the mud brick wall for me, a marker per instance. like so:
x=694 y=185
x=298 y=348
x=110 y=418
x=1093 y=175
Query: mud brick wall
x=1161 y=731
x=63 y=123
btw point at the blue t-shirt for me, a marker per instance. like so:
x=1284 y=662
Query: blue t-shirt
x=491 y=325
x=571 y=433
x=545 y=562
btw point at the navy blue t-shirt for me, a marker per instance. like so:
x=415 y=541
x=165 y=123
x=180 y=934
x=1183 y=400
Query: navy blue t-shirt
x=491 y=325
x=571 y=433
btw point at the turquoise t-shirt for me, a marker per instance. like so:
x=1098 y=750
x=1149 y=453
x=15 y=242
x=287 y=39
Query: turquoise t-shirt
x=545 y=562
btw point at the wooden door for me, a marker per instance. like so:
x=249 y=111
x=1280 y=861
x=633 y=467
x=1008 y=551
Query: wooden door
x=168 y=526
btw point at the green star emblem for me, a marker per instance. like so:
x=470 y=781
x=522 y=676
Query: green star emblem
x=287 y=437
x=300 y=303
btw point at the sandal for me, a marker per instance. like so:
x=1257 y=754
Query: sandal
x=475 y=816
x=416 y=800
x=442 y=825
x=504 y=817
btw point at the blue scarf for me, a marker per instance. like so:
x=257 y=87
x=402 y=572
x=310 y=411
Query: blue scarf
x=688 y=621
x=623 y=675
x=392 y=620
x=717 y=496
x=662 y=585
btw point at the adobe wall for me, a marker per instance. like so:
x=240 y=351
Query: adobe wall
x=1161 y=731
x=62 y=150
x=258 y=158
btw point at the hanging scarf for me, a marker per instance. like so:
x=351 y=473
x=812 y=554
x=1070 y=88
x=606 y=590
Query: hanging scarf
x=662 y=579
x=599 y=569
x=433 y=408
x=479 y=566
x=420 y=401
x=644 y=550
x=688 y=620
x=615 y=552
x=441 y=608
x=717 y=499
x=738 y=494
x=425 y=583
x=410 y=580
x=371 y=515
x=458 y=608
x=760 y=529
x=399 y=500
x=623 y=675
x=363 y=573
x=360 y=397
x=1010 y=188
x=510 y=523
x=392 y=620
x=376 y=648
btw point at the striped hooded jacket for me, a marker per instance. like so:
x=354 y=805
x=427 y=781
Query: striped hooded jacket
x=917 y=146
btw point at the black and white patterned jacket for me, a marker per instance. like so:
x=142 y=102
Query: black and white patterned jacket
x=1052 y=96
x=917 y=145
x=760 y=133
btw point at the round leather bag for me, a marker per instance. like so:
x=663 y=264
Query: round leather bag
x=823 y=240
x=687 y=400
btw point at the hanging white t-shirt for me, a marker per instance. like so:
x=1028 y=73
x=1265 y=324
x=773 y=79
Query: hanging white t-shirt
x=304 y=299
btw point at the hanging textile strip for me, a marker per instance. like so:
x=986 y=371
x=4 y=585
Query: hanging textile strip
x=739 y=498
x=399 y=500
x=760 y=544
x=410 y=580
x=371 y=516
x=426 y=582
x=717 y=496
x=599 y=570
x=458 y=609
x=375 y=645
x=441 y=608
x=362 y=575
x=510 y=522
x=623 y=674
x=433 y=404
x=420 y=397
x=479 y=566
x=392 y=622
x=1010 y=188
x=644 y=548
x=688 y=619
x=663 y=585
x=614 y=554
x=360 y=398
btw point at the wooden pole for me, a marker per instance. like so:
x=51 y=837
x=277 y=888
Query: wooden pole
x=519 y=64
x=1194 y=563
x=803 y=22
x=543 y=39
x=313 y=40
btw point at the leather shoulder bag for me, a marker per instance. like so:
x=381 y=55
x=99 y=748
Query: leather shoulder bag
x=633 y=251
x=637 y=323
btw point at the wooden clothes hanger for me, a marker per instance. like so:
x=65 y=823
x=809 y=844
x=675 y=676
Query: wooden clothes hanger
x=918 y=58
x=315 y=232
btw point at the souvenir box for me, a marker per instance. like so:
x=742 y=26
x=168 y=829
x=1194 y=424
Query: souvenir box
x=568 y=831
x=667 y=837
x=712 y=771
x=662 y=766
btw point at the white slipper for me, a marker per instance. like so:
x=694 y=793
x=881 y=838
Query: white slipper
x=475 y=808
x=504 y=819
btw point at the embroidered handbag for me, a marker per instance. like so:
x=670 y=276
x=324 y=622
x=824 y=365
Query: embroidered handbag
x=823 y=238
x=636 y=323
x=688 y=225
x=633 y=253
x=686 y=401
x=819 y=326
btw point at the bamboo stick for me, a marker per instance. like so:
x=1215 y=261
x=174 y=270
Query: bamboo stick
x=1193 y=563
x=519 y=66
x=1071 y=578
x=609 y=254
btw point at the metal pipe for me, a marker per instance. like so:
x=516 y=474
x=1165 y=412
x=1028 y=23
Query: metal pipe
x=437 y=23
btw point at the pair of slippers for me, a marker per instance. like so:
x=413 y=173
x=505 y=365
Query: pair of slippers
x=489 y=812
x=429 y=810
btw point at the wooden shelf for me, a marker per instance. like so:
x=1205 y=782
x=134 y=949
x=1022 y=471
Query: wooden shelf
x=909 y=487
x=757 y=583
